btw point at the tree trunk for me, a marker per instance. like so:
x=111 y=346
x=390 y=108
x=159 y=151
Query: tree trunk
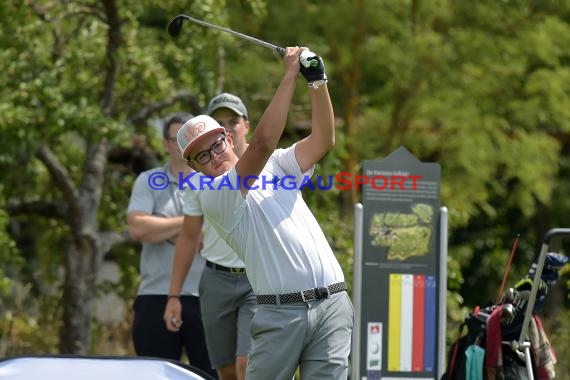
x=84 y=255
x=78 y=294
x=350 y=76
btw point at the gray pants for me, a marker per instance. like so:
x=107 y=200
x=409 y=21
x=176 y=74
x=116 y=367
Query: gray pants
x=228 y=304
x=314 y=335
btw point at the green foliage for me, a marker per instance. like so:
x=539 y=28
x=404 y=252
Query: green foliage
x=11 y=260
x=558 y=330
x=29 y=322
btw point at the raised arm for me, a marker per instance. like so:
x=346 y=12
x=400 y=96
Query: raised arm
x=313 y=147
x=322 y=138
x=271 y=125
x=187 y=245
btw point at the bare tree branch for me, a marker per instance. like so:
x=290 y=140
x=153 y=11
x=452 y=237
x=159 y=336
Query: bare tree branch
x=90 y=10
x=48 y=209
x=113 y=44
x=62 y=180
x=109 y=239
x=75 y=9
x=136 y=158
x=152 y=108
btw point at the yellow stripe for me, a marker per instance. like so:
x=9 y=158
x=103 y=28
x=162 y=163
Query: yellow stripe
x=394 y=314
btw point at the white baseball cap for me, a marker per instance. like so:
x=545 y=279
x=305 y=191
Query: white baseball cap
x=195 y=129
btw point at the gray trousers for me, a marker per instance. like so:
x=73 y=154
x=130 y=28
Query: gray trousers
x=228 y=304
x=314 y=335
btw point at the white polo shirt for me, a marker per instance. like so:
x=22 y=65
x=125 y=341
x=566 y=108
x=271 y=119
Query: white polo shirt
x=272 y=230
x=214 y=249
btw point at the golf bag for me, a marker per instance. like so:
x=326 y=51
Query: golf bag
x=466 y=357
x=489 y=344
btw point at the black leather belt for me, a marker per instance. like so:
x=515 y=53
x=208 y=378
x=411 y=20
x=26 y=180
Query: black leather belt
x=304 y=296
x=212 y=265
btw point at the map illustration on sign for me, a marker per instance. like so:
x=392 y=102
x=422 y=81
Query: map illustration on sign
x=405 y=234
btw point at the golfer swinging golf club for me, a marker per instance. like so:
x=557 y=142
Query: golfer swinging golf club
x=304 y=316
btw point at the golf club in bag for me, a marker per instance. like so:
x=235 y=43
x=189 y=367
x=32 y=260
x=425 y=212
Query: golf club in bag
x=175 y=26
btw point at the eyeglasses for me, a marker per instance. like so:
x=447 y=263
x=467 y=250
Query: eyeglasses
x=205 y=156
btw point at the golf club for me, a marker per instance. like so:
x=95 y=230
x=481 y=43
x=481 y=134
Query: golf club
x=175 y=26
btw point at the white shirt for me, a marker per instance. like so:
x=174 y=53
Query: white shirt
x=272 y=230
x=214 y=249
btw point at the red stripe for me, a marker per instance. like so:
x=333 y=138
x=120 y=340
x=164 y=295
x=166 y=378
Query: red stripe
x=418 y=325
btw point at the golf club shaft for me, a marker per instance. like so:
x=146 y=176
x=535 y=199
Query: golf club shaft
x=278 y=49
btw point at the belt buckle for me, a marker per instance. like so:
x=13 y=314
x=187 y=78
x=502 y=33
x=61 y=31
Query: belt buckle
x=322 y=292
x=236 y=270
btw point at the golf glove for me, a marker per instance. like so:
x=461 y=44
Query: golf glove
x=313 y=69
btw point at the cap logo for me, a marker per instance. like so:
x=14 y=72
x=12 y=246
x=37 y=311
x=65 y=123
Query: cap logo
x=195 y=130
x=226 y=99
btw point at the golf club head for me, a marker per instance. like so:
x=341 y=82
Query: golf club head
x=175 y=26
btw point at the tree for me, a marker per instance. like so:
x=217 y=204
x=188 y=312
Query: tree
x=70 y=129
